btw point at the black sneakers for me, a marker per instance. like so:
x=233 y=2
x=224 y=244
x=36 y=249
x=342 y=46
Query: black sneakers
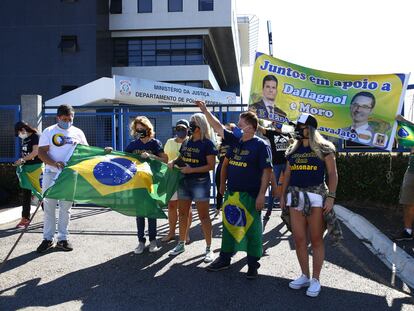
x=403 y=236
x=252 y=271
x=44 y=246
x=64 y=245
x=218 y=265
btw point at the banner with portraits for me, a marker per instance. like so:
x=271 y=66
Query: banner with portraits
x=359 y=108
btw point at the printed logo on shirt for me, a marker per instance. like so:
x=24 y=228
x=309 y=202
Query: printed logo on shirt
x=59 y=140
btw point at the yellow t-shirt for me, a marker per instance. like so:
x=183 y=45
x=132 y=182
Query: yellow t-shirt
x=172 y=149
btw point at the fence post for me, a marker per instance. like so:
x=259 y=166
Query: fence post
x=31 y=110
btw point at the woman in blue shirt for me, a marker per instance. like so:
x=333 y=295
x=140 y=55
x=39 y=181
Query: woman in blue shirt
x=197 y=159
x=148 y=147
x=308 y=197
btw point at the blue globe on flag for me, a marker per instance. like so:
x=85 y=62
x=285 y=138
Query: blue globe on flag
x=115 y=172
x=235 y=215
x=402 y=132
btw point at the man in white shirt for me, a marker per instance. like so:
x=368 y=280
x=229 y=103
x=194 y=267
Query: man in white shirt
x=56 y=145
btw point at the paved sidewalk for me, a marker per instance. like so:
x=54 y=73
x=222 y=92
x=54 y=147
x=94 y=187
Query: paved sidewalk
x=102 y=273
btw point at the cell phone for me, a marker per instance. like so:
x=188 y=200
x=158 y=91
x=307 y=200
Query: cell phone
x=179 y=163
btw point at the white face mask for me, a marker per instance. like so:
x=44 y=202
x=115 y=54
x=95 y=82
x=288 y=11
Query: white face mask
x=23 y=135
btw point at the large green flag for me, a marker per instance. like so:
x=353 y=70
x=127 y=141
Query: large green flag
x=30 y=177
x=405 y=134
x=121 y=181
x=242 y=226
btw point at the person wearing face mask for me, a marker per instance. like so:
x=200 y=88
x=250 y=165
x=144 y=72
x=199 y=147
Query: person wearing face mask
x=308 y=198
x=247 y=168
x=172 y=149
x=197 y=157
x=146 y=146
x=28 y=152
x=56 y=145
x=223 y=149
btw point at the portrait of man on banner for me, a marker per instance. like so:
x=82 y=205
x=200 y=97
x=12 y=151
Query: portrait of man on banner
x=266 y=108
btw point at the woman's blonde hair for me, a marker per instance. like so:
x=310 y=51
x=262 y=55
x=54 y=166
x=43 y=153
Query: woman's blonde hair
x=201 y=121
x=317 y=143
x=145 y=123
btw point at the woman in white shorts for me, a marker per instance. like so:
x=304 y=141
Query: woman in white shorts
x=308 y=198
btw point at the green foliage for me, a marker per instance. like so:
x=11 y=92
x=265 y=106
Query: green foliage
x=363 y=177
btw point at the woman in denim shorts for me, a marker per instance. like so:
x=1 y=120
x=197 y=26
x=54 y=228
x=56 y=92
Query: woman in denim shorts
x=196 y=160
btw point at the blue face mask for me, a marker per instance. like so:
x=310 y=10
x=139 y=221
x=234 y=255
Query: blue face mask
x=64 y=125
x=238 y=132
x=181 y=133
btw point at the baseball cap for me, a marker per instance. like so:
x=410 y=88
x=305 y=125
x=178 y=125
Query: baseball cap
x=183 y=122
x=306 y=119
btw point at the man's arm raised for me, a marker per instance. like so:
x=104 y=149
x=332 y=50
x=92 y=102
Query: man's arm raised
x=212 y=120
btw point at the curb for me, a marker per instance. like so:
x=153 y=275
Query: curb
x=13 y=214
x=393 y=256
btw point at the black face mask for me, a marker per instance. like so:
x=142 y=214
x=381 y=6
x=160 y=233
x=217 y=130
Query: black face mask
x=193 y=127
x=141 y=133
x=299 y=133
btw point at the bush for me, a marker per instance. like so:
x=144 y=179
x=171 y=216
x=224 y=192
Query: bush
x=363 y=177
x=9 y=184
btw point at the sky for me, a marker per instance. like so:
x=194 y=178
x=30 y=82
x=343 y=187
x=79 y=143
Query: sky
x=352 y=36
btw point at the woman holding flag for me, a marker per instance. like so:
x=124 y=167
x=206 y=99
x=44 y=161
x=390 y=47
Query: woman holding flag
x=147 y=147
x=196 y=160
x=28 y=150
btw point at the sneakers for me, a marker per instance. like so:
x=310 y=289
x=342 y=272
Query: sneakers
x=314 y=288
x=140 y=248
x=44 y=246
x=209 y=256
x=252 y=271
x=178 y=249
x=403 y=236
x=300 y=282
x=64 y=245
x=24 y=223
x=153 y=247
x=218 y=265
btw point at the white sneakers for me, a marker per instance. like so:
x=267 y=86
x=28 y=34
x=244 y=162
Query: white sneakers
x=152 y=247
x=140 y=248
x=300 y=282
x=209 y=255
x=314 y=287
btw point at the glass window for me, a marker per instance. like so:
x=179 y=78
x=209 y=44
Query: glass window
x=193 y=43
x=163 y=44
x=68 y=44
x=175 y=5
x=144 y=6
x=205 y=5
x=115 y=7
x=178 y=44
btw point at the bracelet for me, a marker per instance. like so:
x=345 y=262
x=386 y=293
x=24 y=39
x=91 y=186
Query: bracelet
x=22 y=160
x=331 y=195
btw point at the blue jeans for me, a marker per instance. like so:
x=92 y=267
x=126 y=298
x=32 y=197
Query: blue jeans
x=152 y=229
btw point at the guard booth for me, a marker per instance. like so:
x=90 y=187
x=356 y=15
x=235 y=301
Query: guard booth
x=105 y=107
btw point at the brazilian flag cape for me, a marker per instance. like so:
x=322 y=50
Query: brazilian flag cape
x=242 y=226
x=121 y=181
x=30 y=177
x=405 y=134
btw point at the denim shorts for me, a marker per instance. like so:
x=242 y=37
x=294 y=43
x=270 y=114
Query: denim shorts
x=195 y=189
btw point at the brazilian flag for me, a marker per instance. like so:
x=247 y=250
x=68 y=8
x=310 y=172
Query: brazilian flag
x=405 y=134
x=30 y=178
x=121 y=181
x=242 y=226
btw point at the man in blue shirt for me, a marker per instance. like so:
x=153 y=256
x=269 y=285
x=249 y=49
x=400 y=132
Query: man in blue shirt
x=249 y=167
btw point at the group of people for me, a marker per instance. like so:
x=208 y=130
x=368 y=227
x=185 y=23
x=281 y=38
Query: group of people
x=247 y=164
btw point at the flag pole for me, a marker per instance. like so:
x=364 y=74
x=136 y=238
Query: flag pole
x=20 y=236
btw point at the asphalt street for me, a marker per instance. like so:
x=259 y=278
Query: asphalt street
x=103 y=273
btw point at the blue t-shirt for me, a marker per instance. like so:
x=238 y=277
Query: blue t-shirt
x=306 y=169
x=194 y=154
x=153 y=146
x=247 y=160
